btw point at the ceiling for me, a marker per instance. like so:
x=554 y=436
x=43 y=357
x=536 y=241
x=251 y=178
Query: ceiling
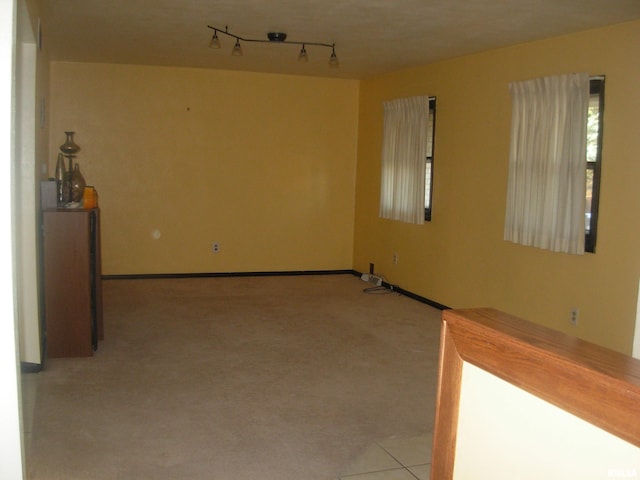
x=371 y=36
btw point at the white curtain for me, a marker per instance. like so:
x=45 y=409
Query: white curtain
x=547 y=163
x=404 y=150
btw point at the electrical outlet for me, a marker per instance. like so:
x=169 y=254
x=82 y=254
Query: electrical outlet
x=215 y=248
x=395 y=258
x=574 y=316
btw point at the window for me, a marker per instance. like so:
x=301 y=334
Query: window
x=404 y=153
x=594 y=156
x=428 y=171
x=546 y=181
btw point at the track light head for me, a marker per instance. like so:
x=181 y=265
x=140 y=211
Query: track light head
x=215 y=41
x=333 y=59
x=237 y=49
x=302 y=56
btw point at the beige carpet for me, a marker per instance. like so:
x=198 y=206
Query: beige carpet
x=235 y=378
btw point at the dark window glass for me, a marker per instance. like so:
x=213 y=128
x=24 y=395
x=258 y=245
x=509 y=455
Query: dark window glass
x=428 y=176
x=594 y=157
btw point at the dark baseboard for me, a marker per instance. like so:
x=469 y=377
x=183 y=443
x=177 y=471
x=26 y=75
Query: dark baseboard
x=409 y=294
x=395 y=288
x=419 y=298
x=225 y=274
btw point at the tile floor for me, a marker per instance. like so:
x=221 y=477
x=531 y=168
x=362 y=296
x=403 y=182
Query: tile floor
x=395 y=458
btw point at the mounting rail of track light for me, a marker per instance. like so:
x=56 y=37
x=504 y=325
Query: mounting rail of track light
x=272 y=37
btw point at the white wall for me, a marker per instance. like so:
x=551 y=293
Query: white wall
x=507 y=433
x=26 y=194
x=11 y=466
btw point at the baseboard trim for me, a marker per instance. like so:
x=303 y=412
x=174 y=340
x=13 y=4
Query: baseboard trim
x=409 y=294
x=285 y=273
x=415 y=296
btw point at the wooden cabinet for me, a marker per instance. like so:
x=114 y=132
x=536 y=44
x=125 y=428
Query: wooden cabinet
x=72 y=282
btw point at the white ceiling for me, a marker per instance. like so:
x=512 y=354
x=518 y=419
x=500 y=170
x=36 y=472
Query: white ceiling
x=371 y=36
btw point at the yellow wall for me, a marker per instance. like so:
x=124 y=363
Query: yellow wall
x=263 y=164
x=459 y=258
x=266 y=166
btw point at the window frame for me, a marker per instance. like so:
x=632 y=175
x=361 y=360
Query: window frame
x=596 y=87
x=429 y=160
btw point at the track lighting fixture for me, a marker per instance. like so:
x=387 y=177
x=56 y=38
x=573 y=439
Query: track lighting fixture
x=272 y=37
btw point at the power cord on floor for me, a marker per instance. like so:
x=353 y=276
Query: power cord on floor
x=379 y=289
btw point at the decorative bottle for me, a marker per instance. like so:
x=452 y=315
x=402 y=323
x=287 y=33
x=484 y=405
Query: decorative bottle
x=60 y=176
x=77 y=184
x=69 y=147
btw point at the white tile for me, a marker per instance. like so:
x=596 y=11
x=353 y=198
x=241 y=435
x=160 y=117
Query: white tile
x=395 y=474
x=410 y=451
x=423 y=472
x=373 y=459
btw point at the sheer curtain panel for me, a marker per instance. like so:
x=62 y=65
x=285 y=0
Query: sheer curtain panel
x=404 y=150
x=547 y=163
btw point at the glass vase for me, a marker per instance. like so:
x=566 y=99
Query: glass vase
x=77 y=184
